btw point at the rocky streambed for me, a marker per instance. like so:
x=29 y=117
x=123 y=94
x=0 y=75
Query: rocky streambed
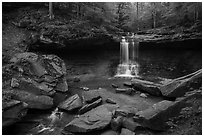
x=38 y=91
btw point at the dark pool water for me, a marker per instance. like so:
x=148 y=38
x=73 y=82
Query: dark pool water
x=152 y=63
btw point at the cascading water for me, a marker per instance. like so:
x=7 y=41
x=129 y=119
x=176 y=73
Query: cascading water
x=128 y=66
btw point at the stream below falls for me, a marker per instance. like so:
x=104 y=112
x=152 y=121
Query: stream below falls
x=93 y=66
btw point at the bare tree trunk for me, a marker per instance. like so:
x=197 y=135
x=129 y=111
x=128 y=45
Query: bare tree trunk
x=154 y=15
x=51 y=15
x=138 y=17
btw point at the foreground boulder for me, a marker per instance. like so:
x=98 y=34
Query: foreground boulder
x=156 y=116
x=180 y=86
x=35 y=79
x=94 y=120
x=12 y=110
x=72 y=103
x=32 y=101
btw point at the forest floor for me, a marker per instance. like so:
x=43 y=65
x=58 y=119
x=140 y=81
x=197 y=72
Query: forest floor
x=16 y=39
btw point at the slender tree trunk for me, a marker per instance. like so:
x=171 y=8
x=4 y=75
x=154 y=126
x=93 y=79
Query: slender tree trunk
x=154 y=15
x=138 y=17
x=51 y=15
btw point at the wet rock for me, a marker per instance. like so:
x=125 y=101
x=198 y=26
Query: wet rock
x=127 y=91
x=155 y=117
x=129 y=124
x=12 y=110
x=116 y=123
x=96 y=119
x=91 y=96
x=125 y=131
x=180 y=86
x=33 y=101
x=114 y=86
x=147 y=86
x=143 y=95
x=111 y=101
x=90 y=106
x=72 y=103
x=126 y=111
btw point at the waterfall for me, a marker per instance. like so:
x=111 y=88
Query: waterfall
x=129 y=54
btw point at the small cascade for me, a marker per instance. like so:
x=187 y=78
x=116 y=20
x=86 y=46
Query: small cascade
x=54 y=117
x=129 y=55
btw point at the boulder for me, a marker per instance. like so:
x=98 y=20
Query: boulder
x=91 y=96
x=32 y=101
x=39 y=74
x=96 y=119
x=12 y=110
x=146 y=86
x=72 y=103
x=180 y=86
x=125 y=131
x=90 y=106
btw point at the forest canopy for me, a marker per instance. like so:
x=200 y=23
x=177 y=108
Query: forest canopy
x=128 y=16
x=136 y=15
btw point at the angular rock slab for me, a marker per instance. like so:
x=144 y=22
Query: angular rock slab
x=180 y=86
x=32 y=101
x=94 y=120
x=12 y=110
x=146 y=86
x=91 y=96
x=72 y=103
x=90 y=106
x=155 y=117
